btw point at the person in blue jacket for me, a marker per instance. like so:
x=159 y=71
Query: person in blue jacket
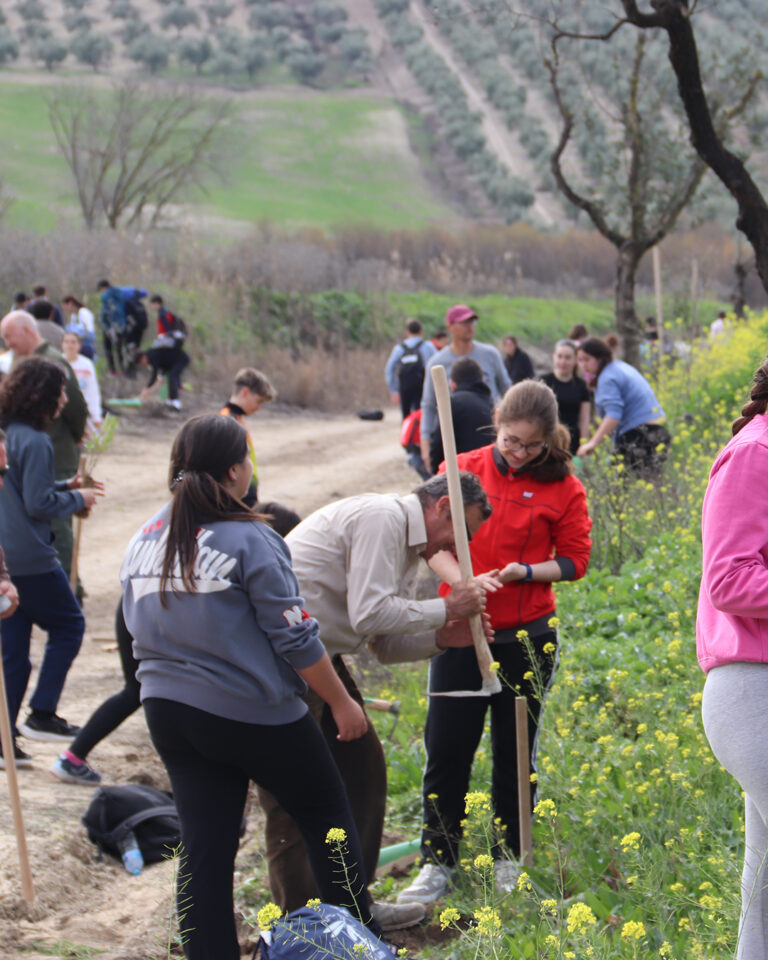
x=31 y=397
x=225 y=650
x=123 y=321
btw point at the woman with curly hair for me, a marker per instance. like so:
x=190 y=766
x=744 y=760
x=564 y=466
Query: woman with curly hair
x=31 y=397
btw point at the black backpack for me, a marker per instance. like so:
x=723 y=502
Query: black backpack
x=150 y=813
x=410 y=370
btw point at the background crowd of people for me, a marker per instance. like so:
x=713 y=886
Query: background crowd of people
x=586 y=374
x=236 y=615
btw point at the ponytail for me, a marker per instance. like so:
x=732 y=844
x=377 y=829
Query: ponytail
x=758 y=399
x=203 y=451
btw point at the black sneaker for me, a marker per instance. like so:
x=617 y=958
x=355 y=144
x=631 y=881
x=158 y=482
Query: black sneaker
x=22 y=759
x=47 y=726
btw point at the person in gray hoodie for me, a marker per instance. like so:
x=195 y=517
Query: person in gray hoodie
x=31 y=397
x=225 y=650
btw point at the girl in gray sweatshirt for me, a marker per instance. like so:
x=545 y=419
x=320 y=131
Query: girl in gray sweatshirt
x=225 y=650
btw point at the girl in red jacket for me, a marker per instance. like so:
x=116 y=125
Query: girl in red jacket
x=538 y=534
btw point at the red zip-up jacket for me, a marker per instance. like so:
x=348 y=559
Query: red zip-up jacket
x=531 y=522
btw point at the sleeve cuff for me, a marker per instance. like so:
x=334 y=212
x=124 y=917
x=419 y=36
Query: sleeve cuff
x=567 y=568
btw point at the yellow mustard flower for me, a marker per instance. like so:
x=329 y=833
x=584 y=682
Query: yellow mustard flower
x=580 y=916
x=483 y=861
x=488 y=921
x=336 y=835
x=269 y=914
x=545 y=808
x=633 y=930
x=631 y=841
x=477 y=801
x=448 y=916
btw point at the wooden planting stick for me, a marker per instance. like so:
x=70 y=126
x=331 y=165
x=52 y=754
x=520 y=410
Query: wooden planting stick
x=523 y=781
x=491 y=683
x=75 y=563
x=13 y=790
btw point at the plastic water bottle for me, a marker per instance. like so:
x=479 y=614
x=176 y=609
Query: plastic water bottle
x=129 y=851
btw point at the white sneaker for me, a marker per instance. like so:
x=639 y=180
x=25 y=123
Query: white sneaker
x=397 y=916
x=506 y=873
x=430 y=884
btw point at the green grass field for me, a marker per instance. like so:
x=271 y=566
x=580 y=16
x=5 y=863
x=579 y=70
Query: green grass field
x=34 y=172
x=294 y=159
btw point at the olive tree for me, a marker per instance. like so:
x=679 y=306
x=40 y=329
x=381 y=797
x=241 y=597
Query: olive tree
x=675 y=19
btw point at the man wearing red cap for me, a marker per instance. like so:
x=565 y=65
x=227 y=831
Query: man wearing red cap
x=460 y=321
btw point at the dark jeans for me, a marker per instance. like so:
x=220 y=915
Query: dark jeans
x=174 y=375
x=210 y=761
x=639 y=448
x=453 y=731
x=410 y=399
x=45 y=599
x=119 y=706
x=114 y=342
x=363 y=769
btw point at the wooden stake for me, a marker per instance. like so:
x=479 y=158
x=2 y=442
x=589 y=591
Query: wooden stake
x=657 y=287
x=13 y=790
x=74 y=565
x=491 y=683
x=695 y=298
x=523 y=781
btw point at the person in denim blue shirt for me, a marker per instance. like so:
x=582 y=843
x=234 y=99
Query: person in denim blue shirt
x=631 y=414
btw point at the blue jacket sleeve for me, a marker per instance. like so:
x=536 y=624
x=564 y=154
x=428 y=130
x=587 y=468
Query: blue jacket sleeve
x=609 y=399
x=389 y=371
x=42 y=500
x=428 y=403
x=274 y=594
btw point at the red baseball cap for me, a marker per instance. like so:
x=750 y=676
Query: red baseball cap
x=459 y=314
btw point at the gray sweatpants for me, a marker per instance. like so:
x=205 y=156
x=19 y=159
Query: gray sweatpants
x=735 y=713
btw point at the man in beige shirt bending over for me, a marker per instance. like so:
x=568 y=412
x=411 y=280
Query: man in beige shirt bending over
x=357 y=561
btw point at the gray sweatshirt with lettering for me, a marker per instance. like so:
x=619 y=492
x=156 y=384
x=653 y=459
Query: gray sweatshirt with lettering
x=231 y=648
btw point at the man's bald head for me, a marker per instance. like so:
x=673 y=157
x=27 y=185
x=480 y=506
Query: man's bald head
x=19 y=331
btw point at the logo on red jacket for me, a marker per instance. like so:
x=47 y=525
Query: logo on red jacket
x=295 y=615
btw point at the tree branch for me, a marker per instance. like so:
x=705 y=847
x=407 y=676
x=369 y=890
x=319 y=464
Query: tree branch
x=588 y=206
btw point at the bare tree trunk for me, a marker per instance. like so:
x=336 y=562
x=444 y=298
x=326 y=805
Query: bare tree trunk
x=627 y=262
x=674 y=16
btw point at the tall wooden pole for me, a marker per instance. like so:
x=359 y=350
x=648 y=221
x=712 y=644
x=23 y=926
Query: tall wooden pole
x=523 y=781
x=6 y=739
x=657 y=287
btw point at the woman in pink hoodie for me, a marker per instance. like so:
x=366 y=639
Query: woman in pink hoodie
x=732 y=641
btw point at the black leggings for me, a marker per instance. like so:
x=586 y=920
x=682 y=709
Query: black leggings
x=119 y=706
x=210 y=761
x=453 y=731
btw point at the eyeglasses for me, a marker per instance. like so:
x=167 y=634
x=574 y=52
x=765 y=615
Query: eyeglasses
x=512 y=443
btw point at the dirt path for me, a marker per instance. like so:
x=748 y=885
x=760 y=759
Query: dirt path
x=304 y=461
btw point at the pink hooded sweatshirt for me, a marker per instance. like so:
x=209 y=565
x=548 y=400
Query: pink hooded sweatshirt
x=732 y=621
